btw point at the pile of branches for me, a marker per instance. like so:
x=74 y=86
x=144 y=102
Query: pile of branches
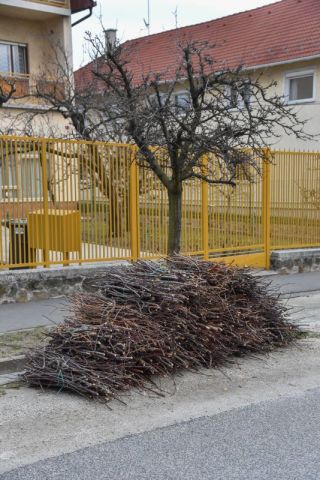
x=154 y=319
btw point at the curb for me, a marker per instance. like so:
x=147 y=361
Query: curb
x=12 y=364
x=8 y=379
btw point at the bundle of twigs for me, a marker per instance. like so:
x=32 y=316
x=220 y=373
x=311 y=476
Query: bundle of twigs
x=154 y=318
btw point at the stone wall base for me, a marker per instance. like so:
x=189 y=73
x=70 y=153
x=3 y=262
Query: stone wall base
x=296 y=261
x=41 y=283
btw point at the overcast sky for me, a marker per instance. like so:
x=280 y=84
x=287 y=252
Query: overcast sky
x=127 y=16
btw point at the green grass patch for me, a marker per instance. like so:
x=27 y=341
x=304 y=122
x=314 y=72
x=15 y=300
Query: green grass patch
x=17 y=343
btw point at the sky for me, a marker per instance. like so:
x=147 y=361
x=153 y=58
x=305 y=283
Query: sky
x=127 y=16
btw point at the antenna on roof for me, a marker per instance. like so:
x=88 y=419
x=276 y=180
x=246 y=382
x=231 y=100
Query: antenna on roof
x=175 y=14
x=147 y=22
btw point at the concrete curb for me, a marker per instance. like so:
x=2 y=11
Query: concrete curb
x=7 y=379
x=12 y=364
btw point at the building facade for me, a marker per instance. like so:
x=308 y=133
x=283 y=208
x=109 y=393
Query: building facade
x=30 y=33
x=280 y=40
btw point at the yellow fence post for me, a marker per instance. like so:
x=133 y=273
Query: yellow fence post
x=266 y=206
x=45 y=203
x=134 y=210
x=204 y=213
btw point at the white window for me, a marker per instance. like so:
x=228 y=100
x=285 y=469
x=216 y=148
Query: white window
x=154 y=100
x=20 y=180
x=13 y=58
x=182 y=101
x=238 y=97
x=300 y=86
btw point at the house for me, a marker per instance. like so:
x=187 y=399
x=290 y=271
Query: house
x=282 y=40
x=29 y=31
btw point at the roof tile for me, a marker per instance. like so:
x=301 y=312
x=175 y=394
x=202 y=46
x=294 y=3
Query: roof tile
x=280 y=32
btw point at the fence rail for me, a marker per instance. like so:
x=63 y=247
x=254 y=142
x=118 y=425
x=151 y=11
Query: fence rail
x=67 y=202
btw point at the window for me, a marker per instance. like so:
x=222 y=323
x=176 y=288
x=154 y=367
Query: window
x=154 y=100
x=182 y=102
x=21 y=180
x=238 y=97
x=13 y=58
x=300 y=87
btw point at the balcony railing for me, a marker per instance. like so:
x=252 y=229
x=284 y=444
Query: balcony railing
x=26 y=86
x=20 y=81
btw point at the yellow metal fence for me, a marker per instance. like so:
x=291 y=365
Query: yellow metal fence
x=69 y=202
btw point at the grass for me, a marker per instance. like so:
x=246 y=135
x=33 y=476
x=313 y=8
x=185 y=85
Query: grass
x=227 y=229
x=17 y=343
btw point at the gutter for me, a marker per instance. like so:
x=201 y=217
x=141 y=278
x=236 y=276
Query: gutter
x=283 y=62
x=265 y=65
x=94 y=4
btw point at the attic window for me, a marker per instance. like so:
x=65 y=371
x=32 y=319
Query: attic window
x=300 y=86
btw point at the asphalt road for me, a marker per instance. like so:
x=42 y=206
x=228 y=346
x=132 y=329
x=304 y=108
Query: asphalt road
x=278 y=440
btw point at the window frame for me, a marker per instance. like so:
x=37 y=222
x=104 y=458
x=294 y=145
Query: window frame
x=241 y=102
x=153 y=99
x=16 y=44
x=179 y=108
x=13 y=186
x=294 y=74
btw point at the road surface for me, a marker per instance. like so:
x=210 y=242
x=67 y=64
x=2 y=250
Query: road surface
x=258 y=419
x=277 y=440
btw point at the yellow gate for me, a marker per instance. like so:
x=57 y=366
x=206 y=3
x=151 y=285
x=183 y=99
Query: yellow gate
x=248 y=228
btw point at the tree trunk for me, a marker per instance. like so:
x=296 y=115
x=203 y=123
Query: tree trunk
x=175 y=220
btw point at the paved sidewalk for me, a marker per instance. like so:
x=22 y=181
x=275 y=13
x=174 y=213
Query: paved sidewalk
x=19 y=316
x=296 y=284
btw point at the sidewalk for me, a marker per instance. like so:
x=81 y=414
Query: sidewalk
x=294 y=285
x=20 y=316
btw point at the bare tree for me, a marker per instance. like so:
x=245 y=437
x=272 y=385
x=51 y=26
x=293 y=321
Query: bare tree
x=55 y=89
x=226 y=113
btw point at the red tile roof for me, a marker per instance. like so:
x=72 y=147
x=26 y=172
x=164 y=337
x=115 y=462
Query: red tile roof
x=276 y=33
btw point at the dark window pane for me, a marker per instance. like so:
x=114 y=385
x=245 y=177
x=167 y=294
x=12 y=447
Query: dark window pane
x=301 y=88
x=19 y=59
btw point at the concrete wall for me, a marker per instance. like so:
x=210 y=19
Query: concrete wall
x=39 y=35
x=41 y=283
x=307 y=111
x=295 y=261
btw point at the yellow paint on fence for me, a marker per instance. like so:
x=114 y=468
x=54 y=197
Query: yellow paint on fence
x=68 y=202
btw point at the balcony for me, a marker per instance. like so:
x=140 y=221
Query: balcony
x=29 y=90
x=52 y=3
x=20 y=81
x=34 y=9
